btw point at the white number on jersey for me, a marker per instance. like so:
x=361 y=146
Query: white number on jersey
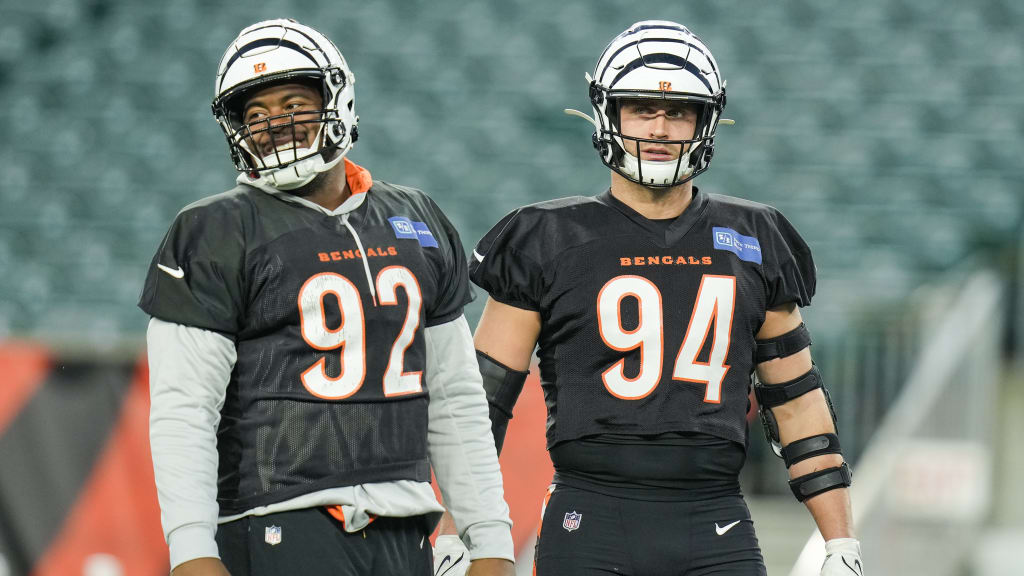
x=350 y=335
x=716 y=301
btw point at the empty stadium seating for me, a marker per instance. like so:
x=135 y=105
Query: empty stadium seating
x=890 y=133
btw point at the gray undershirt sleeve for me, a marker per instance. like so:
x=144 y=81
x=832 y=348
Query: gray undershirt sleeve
x=189 y=370
x=460 y=443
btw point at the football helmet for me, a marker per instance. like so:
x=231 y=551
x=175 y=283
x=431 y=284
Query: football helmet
x=658 y=60
x=278 y=52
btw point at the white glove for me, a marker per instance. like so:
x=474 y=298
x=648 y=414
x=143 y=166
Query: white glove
x=842 y=558
x=451 y=558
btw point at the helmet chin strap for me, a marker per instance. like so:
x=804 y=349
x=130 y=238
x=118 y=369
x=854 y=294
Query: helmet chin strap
x=300 y=173
x=657 y=173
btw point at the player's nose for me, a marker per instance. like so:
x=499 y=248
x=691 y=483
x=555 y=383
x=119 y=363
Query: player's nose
x=659 y=126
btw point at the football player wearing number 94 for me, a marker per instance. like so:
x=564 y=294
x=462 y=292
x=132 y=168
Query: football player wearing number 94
x=653 y=304
x=309 y=360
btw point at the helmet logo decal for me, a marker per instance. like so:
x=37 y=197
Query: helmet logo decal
x=664 y=86
x=260 y=67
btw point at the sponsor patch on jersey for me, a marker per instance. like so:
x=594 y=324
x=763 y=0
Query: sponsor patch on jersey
x=406 y=228
x=572 y=521
x=272 y=535
x=746 y=247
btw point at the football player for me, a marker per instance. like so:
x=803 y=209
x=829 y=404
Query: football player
x=309 y=359
x=653 y=304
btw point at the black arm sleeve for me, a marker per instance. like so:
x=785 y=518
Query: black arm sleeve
x=503 y=386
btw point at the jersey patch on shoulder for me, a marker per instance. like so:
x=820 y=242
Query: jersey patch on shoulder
x=746 y=247
x=406 y=228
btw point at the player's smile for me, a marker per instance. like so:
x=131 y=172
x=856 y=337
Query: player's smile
x=280 y=140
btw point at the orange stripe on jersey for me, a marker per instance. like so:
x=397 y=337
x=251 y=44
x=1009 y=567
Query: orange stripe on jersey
x=339 y=515
x=358 y=178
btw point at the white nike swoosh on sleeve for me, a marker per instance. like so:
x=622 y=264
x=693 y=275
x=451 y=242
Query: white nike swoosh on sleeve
x=479 y=257
x=173 y=272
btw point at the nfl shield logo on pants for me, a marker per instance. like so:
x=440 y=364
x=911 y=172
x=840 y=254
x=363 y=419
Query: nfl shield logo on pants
x=572 y=521
x=272 y=535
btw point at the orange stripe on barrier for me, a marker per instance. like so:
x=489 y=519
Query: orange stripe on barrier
x=116 y=520
x=25 y=367
x=524 y=461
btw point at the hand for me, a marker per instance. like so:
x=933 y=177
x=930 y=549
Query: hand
x=201 y=567
x=842 y=558
x=451 y=558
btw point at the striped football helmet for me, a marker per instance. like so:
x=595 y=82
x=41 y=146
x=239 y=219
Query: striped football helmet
x=281 y=52
x=659 y=60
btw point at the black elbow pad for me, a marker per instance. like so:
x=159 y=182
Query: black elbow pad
x=783 y=345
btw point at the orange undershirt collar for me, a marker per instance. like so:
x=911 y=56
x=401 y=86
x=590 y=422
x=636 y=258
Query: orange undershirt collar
x=357 y=177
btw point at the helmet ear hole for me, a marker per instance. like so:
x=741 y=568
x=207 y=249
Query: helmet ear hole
x=709 y=151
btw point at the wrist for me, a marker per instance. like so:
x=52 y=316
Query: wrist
x=842 y=545
x=192 y=541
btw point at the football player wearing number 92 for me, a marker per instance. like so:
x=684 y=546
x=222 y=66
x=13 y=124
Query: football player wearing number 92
x=653 y=305
x=309 y=359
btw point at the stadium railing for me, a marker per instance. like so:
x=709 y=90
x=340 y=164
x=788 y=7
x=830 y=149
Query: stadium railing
x=923 y=485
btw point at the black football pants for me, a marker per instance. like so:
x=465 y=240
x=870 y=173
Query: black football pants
x=310 y=541
x=586 y=533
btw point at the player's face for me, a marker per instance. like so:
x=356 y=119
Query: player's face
x=277 y=105
x=656 y=120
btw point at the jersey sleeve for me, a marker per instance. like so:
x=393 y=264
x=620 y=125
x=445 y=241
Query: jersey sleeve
x=503 y=266
x=791 y=276
x=195 y=278
x=453 y=280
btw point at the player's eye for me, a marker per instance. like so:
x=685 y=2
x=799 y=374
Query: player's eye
x=253 y=115
x=676 y=114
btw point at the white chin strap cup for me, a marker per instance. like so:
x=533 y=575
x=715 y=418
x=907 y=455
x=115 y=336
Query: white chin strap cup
x=300 y=173
x=656 y=173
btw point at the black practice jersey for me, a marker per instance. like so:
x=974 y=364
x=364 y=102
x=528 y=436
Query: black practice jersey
x=647 y=327
x=328 y=389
